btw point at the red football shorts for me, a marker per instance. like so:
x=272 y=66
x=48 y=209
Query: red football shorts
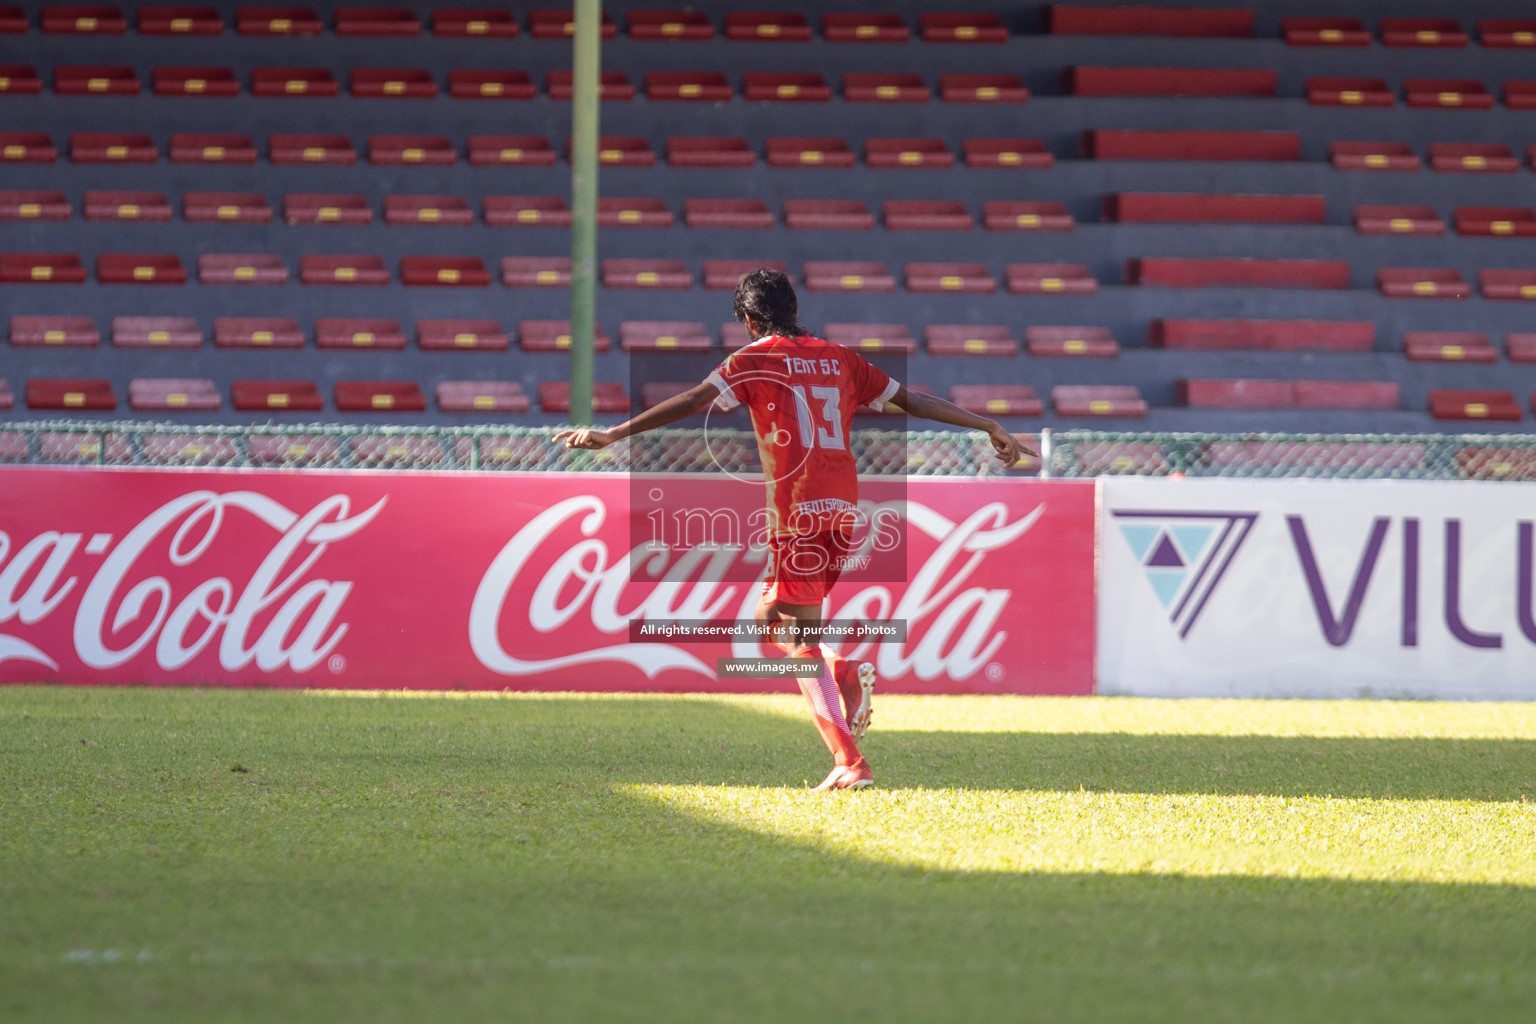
x=803 y=567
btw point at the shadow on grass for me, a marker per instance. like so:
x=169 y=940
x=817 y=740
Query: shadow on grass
x=496 y=862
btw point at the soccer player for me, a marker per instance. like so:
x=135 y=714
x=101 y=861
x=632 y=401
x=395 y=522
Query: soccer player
x=801 y=392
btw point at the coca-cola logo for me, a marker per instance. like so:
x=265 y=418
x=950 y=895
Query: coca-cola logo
x=273 y=619
x=953 y=627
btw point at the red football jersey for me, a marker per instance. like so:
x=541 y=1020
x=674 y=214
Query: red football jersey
x=802 y=393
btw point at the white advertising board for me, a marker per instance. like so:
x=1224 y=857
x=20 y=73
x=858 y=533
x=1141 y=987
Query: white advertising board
x=1316 y=588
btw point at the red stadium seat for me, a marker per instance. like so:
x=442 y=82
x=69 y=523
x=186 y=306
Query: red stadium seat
x=1421 y=32
x=490 y=85
x=1347 y=394
x=1192 y=145
x=925 y=215
x=112 y=205
x=1050 y=279
x=1422 y=282
x=1472 y=156
x=1202 y=393
x=1071 y=19
x=1507 y=32
x=1449 y=347
x=473 y=23
x=360 y=269
x=19 y=80
x=997 y=399
x=962 y=28
x=607 y=396
x=1507 y=284
x=699 y=86
x=1324 y=32
x=54 y=332
x=725 y=275
x=140 y=268
x=156 y=332
x=733 y=336
x=808 y=152
x=709 y=151
x=1520 y=346
x=459 y=335
x=41 y=267
x=557 y=23
x=376 y=21
x=643 y=273
x=93 y=394
x=13 y=20
x=83 y=19
x=72 y=446
x=885 y=87
x=310 y=82
x=1468 y=404
x=847 y=276
x=664 y=336
x=27 y=147
x=1071 y=342
x=290 y=449
x=622 y=151
x=212 y=148
x=967 y=278
x=555 y=336
x=1398 y=220
x=1454 y=93
x=444 y=271
x=541 y=211
x=172 y=394
x=13 y=446
x=1373 y=156
x=1512 y=221
x=1333 y=91
x=112 y=148
x=679 y=24
x=827 y=214
x=767 y=26
x=230 y=207
x=532 y=150
x=1262 y=334
x=536 y=271
x=1103 y=81
x=1007 y=153
x=400 y=83
x=785 y=86
x=1520 y=95
x=433 y=150
x=1179 y=207
x=907 y=153
x=257 y=332
x=241 y=268
x=177 y=20
x=727 y=213
x=1120 y=400
x=325 y=208
x=872 y=337
x=1242 y=272
x=970 y=340
x=33 y=204
x=194 y=81
x=982 y=89
x=612 y=85
x=276 y=395
x=481 y=396
x=311 y=149
x=1007 y=215
x=95 y=80
x=358 y=333
x=615 y=212
x=447 y=210
x=864 y=28
x=278 y=21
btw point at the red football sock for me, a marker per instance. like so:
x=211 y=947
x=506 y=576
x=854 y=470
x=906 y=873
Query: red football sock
x=845 y=673
x=822 y=696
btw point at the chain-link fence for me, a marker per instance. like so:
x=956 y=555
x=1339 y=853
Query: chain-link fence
x=1073 y=453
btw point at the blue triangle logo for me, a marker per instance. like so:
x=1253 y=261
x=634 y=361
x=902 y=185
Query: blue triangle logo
x=1140 y=537
x=1166 y=583
x=1184 y=555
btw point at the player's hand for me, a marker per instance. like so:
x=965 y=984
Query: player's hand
x=1007 y=446
x=584 y=437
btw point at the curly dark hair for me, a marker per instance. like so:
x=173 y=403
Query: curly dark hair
x=769 y=299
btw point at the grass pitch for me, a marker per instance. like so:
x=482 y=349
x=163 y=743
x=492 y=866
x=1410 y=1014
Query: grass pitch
x=175 y=855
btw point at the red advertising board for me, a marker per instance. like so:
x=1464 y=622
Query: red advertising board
x=497 y=581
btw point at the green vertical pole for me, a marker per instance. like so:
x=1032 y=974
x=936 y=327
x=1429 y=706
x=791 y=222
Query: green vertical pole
x=584 y=110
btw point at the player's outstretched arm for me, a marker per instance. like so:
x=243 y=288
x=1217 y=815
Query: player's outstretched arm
x=658 y=415
x=937 y=409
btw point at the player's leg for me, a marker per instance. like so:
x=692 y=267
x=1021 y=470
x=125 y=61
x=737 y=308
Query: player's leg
x=855 y=679
x=850 y=770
